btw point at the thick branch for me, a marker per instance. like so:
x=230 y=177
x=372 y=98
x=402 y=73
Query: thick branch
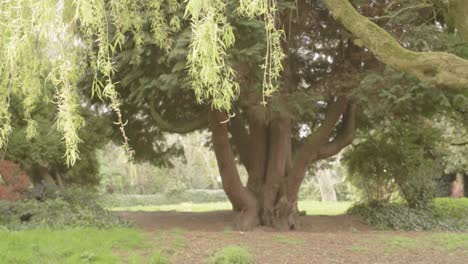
x=280 y=145
x=181 y=127
x=310 y=150
x=344 y=138
x=258 y=148
x=240 y=138
x=436 y=68
x=241 y=198
x=321 y=135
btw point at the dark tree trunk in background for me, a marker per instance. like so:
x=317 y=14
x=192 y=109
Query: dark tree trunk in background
x=275 y=171
x=458 y=186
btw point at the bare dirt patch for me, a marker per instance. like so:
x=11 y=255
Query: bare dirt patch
x=195 y=237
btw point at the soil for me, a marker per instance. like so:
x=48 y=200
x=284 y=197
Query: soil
x=195 y=237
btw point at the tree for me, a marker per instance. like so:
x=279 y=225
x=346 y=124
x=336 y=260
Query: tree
x=312 y=117
x=302 y=106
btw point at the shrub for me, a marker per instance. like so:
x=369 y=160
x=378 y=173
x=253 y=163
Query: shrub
x=14 y=182
x=401 y=160
x=72 y=208
x=232 y=255
x=445 y=215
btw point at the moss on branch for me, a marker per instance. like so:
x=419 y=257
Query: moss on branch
x=434 y=68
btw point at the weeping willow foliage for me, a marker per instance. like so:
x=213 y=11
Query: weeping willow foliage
x=274 y=54
x=51 y=40
x=56 y=41
x=212 y=78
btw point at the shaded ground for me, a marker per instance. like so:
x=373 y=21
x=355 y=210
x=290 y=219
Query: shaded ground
x=194 y=237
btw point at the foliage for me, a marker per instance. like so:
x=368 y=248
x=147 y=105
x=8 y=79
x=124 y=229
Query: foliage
x=310 y=190
x=273 y=65
x=73 y=208
x=212 y=78
x=401 y=158
x=73 y=246
x=41 y=33
x=447 y=214
x=46 y=150
x=232 y=255
x=195 y=170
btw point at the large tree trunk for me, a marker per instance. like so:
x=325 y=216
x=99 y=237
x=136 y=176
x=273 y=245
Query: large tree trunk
x=275 y=174
x=243 y=201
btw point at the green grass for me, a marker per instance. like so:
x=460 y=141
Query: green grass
x=232 y=255
x=438 y=241
x=311 y=207
x=80 y=245
x=182 y=207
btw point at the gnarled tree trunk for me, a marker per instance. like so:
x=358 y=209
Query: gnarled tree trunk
x=275 y=169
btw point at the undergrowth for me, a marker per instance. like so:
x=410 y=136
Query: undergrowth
x=445 y=214
x=72 y=208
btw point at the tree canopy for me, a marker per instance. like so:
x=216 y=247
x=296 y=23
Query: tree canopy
x=47 y=40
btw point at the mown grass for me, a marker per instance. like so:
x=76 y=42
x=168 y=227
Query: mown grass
x=69 y=246
x=437 y=241
x=311 y=207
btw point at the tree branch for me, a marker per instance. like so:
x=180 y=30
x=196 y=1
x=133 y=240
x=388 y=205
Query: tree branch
x=321 y=135
x=182 y=127
x=435 y=68
x=241 y=198
x=459 y=144
x=240 y=139
x=344 y=138
x=311 y=149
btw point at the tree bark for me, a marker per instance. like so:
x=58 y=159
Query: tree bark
x=276 y=210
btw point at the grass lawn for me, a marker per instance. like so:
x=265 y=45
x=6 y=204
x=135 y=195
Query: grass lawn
x=136 y=246
x=311 y=207
x=70 y=246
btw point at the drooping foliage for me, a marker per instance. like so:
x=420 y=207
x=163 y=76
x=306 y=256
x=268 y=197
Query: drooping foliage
x=42 y=156
x=48 y=40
